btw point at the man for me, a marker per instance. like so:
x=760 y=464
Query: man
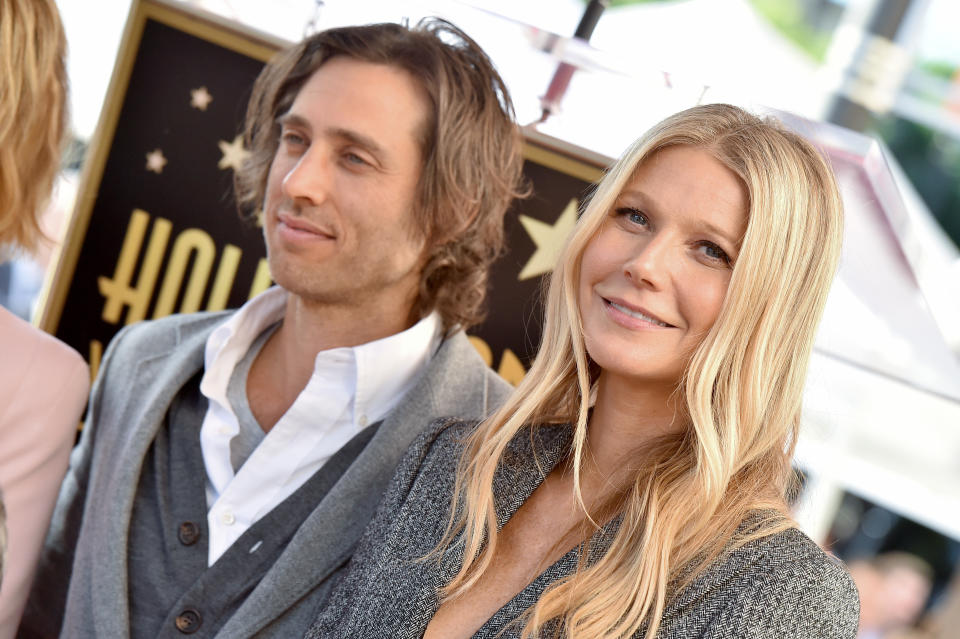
x=230 y=462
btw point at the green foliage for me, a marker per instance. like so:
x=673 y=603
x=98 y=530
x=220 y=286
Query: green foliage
x=939 y=68
x=787 y=17
x=931 y=160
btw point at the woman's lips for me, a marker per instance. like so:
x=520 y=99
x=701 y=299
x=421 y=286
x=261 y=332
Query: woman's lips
x=632 y=316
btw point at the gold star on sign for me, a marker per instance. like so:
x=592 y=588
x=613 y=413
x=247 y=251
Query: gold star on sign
x=233 y=153
x=200 y=98
x=156 y=161
x=549 y=240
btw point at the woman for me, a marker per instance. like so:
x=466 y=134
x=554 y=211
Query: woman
x=636 y=483
x=43 y=383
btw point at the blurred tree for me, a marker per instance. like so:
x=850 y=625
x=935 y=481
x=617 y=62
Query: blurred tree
x=931 y=159
x=809 y=25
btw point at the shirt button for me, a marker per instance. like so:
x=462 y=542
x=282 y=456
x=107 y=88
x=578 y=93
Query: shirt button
x=188 y=621
x=188 y=533
x=362 y=421
x=223 y=430
x=227 y=518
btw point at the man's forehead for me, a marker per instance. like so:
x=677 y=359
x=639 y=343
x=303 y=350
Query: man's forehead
x=352 y=98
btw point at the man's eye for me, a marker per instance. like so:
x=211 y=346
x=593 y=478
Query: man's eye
x=290 y=137
x=353 y=158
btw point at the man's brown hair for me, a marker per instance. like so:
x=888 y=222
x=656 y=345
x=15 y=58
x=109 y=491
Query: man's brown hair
x=471 y=148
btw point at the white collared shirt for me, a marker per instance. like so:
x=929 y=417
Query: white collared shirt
x=350 y=388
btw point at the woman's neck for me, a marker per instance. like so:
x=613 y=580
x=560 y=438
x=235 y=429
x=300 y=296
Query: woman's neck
x=626 y=417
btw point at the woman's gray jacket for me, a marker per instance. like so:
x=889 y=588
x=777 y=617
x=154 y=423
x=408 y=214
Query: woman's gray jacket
x=783 y=586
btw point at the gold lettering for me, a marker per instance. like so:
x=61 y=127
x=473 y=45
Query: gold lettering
x=96 y=353
x=223 y=282
x=119 y=291
x=511 y=368
x=189 y=241
x=483 y=348
x=262 y=279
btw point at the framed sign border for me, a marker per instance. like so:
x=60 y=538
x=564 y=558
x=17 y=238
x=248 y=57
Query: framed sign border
x=195 y=22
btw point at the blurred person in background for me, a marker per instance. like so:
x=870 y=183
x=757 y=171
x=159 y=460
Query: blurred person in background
x=635 y=484
x=894 y=588
x=43 y=382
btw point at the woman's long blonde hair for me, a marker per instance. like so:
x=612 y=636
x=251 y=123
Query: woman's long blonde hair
x=693 y=493
x=33 y=114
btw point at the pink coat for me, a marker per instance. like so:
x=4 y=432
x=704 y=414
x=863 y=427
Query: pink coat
x=43 y=390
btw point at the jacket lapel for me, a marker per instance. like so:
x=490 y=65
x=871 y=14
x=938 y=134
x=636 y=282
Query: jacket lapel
x=455 y=383
x=172 y=359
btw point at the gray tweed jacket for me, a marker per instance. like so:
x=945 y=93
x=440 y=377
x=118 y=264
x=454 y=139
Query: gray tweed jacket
x=783 y=586
x=143 y=369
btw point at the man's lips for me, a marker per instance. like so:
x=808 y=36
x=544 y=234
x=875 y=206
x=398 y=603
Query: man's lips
x=631 y=312
x=302 y=228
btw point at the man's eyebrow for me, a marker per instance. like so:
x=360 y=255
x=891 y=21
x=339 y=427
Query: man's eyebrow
x=354 y=137
x=357 y=138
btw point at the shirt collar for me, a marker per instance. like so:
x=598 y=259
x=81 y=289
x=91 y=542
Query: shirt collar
x=230 y=341
x=388 y=368
x=385 y=369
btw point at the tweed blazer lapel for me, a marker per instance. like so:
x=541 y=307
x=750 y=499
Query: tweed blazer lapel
x=456 y=383
x=138 y=412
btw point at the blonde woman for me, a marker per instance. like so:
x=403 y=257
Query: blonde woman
x=43 y=383
x=635 y=485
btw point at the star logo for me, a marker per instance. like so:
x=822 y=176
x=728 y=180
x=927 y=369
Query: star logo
x=233 y=153
x=549 y=240
x=156 y=161
x=200 y=98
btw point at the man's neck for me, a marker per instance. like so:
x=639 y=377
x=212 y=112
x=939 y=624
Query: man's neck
x=284 y=366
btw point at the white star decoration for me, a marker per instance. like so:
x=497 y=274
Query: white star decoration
x=549 y=240
x=156 y=161
x=233 y=153
x=200 y=98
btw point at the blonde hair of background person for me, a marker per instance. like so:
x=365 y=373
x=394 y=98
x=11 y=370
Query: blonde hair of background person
x=742 y=389
x=33 y=116
x=43 y=382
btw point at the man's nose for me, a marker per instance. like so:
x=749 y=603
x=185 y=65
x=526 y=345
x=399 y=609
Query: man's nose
x=308 y=181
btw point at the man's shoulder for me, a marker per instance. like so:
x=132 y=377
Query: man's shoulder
x=150 y=334
x=461 y=354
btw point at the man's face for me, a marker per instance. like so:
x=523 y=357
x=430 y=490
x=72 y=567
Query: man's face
x=338 y=211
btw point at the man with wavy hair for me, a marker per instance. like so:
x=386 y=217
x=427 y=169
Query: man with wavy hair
x=230 y=461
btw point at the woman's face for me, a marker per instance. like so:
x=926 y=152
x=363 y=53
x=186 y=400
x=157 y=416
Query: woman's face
x=654 y=277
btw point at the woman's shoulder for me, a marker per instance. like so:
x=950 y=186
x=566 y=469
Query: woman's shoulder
x=38 y=364
x=781 y=585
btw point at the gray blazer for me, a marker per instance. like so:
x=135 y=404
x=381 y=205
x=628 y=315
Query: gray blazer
x=782 y=586
x=144 y=367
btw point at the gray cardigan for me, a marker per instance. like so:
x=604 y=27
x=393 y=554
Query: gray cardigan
x=783 y=586
x=144 y=368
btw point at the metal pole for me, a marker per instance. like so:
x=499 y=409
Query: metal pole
x=871 y=60
x=550 y=103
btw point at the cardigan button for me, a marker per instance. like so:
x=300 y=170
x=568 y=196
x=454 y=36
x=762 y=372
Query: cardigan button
x=188 y=621
x=188 y=533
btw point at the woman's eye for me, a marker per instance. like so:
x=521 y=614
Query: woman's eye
x=714 y=252
x=633 y=215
